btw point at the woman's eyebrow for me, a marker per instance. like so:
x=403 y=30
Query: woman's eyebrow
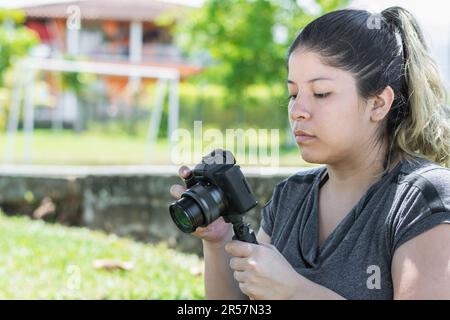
x=312 y=80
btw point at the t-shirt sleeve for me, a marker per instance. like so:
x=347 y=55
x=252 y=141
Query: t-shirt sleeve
x=267 y=217
x=268 y=211
x=425 y=205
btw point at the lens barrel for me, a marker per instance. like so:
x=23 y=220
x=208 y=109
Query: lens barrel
x=198 y=207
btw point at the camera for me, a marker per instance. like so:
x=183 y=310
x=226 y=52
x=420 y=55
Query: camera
x=216 y=187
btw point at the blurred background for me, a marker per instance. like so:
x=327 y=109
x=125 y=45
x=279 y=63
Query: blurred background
x=91 y=93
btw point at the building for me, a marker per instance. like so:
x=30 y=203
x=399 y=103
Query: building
x=112 y=31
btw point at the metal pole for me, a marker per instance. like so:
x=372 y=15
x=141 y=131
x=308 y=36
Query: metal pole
x=173 y=108
x=155 y=118
x=28 y=118
x=135 y=48
x=13 y=119
x=58 y=113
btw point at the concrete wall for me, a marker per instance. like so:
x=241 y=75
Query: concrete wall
x=133 y=203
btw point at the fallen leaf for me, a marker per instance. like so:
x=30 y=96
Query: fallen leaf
x=113 y=265
x=47 y=207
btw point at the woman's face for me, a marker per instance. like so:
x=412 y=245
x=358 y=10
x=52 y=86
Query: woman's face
x=324 y=103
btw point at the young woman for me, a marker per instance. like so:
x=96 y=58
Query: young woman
x=374 y=221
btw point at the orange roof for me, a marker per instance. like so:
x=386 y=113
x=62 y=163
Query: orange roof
x=130 y=10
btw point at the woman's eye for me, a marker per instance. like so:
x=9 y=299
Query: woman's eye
x=321 y=95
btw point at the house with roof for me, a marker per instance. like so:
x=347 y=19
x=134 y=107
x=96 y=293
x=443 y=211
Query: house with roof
x=111 y=30
x=123 y=33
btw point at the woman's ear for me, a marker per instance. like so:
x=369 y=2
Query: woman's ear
x=381 y=104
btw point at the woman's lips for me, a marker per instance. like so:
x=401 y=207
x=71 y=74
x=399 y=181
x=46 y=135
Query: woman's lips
x=301 y=136
x=304 y=138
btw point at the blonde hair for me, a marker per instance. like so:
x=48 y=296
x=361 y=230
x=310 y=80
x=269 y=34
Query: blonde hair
x=426 y=131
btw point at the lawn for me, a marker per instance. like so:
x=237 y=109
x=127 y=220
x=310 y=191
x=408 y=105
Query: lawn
x=101 y=148
x=45 y=261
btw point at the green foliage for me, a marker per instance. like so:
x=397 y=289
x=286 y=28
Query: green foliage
x=239 y=37
x=4 y=99
x=15 y=39
x=13 y=15
x=43 y=261
x=209 y=104
x=78 y=82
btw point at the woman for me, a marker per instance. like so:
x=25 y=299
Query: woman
x=373 y=223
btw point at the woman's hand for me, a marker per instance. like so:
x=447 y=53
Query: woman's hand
x=217 y=231
x=262 y=271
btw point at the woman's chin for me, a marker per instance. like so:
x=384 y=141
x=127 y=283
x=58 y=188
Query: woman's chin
x=311 y=157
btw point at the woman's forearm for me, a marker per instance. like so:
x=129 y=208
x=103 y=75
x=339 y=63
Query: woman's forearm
x=309 y=290
x=219 y=280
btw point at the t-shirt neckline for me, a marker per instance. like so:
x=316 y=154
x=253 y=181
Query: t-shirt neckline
x=324 y=250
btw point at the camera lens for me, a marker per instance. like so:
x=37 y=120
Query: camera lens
x=186 y=214
x=198 y=207
x=182 y=218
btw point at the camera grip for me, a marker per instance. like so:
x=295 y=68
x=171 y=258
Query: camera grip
x=243 y=232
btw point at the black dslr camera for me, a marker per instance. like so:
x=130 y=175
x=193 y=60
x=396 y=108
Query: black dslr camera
x=216 y=187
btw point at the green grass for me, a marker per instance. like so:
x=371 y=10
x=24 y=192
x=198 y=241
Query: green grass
x=46 y=261
x=101 y=148
x=88 y=148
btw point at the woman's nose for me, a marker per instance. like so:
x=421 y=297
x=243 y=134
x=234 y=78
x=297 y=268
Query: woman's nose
x=297 y=111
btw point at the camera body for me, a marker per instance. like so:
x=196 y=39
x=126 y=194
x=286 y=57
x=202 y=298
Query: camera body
x=216 y=187
x=219 y=168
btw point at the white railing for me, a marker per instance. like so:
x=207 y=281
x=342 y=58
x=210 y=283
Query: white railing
x=24 y=80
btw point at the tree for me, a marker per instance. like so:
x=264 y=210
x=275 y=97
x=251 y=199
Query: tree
x=15 y=39
x=245 y=40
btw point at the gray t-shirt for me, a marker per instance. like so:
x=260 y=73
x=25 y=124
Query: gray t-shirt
x=355 y=260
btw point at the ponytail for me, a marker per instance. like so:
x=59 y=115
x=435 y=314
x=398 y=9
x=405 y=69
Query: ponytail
x=425 y=131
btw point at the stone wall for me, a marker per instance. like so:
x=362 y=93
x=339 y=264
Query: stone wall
x=133 y=204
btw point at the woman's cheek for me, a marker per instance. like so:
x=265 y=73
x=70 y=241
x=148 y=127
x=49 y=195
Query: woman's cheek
x=335 y=134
